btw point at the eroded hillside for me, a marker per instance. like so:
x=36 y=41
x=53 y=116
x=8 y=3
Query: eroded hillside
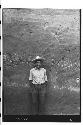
x=52 y=34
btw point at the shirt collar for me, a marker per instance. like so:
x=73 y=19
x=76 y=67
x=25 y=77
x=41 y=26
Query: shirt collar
x=37 y=69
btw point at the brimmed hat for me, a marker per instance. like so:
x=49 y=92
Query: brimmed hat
x=38 y=58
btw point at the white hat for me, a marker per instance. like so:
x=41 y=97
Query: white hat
x=38 y=58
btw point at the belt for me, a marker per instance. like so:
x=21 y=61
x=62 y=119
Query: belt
x=40 y=84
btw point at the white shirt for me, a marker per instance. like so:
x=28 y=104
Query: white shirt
x=38 y=76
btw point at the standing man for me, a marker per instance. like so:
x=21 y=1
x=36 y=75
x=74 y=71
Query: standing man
x=38 y=83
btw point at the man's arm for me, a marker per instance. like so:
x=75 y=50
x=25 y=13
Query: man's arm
x=30 y=78
x=45 y=76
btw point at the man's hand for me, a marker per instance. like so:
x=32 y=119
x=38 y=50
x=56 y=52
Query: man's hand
x=45 y=83
x=30 y=83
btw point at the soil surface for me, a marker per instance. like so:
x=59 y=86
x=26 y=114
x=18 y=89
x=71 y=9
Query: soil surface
x=54 y=35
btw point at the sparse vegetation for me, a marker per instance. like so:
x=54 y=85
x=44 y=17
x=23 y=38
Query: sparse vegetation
x=56 y=38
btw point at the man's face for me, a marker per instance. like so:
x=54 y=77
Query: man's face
x=38 y=64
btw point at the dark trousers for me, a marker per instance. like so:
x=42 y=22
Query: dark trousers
x=38 y=98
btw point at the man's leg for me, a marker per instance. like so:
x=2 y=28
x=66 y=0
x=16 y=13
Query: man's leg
x=42 y=95
x=34 y=101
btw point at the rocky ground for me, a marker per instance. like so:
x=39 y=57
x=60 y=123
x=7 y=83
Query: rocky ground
x=54 y=35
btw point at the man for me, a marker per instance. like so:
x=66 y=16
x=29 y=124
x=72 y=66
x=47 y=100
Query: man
x=38 y=83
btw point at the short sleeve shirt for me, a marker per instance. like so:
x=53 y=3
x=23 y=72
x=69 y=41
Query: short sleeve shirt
x=38 y=76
